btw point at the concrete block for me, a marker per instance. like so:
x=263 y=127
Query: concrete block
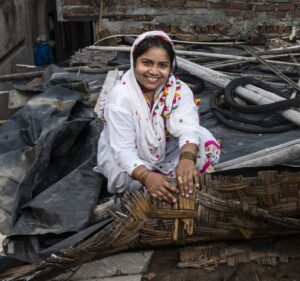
x=5 y=112
x=124 y=264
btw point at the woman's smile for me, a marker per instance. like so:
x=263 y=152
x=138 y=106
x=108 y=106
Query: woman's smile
x=152 y=69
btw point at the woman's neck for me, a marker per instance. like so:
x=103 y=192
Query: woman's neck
x=150 y=96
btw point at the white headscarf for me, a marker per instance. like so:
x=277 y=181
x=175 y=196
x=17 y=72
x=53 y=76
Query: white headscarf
x=150 y=129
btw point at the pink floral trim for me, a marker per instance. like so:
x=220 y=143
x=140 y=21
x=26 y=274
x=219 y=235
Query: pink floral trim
x=205 y=166
x=211 y=142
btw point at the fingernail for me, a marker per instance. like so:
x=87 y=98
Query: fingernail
x=182 y=193
x=187 y=195
x=197 y=184
x=174 y=200
x=190 y=191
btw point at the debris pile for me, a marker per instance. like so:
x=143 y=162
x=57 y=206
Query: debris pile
x=48 y=150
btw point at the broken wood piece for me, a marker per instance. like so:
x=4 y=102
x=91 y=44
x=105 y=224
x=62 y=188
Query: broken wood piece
x=271 y=156
x=111 y=78
x=102 y=211
x=231 y=63
x=17 y=98
x=81 y=69
x=274 y=69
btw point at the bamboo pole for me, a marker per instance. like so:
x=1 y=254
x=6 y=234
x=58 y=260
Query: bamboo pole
x=271 y=156
x=192 y=53
x=274 y=69
x=249 y=92
x=232 y=63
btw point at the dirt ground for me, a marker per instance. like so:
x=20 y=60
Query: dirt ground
x=164 y=261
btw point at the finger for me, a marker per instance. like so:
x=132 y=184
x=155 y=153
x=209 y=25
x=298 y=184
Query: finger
x=185 y=185
x=196 y=178
x=180 y=185
x=154 y=195
x=171 y=187
x=162 y=196
x=191 y=181
x=169 y=195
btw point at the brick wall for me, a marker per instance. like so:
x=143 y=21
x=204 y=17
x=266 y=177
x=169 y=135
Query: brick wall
x=190 y=19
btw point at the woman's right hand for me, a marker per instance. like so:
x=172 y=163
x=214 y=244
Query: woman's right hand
x=159 y=187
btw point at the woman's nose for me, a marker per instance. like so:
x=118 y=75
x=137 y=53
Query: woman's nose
x=153 y=69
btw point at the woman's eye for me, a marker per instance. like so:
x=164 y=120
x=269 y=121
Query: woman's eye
x=146 y=63
x=164 y=65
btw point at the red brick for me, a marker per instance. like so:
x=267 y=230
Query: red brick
x=285 y=7
x=175 y=29
x=233 y=13
x=279 y=15
x=195 y=4
x=149 y=26
x=296 y=14
x=160 y=26
x=78 y=2
x=186 y=37
x=240 y=6
x=134 y=30
x=129 y=17
x=206 y=38
x=249 y=15
x=78 y=11
x=264 y=8
x=173 y=3
x=218 y=5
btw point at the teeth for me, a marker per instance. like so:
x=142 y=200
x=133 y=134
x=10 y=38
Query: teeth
x=152 y=79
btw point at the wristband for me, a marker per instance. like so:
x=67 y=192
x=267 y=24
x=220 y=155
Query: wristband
x=188 y=155
x=143 y=176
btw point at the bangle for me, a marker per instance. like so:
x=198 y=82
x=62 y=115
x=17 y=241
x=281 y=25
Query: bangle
x=188 y=155
x=143 y=176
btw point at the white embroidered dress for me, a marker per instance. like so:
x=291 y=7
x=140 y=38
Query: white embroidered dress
x=135 y=134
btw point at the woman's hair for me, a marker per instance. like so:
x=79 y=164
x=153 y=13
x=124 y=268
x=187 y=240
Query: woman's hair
x=156 y=42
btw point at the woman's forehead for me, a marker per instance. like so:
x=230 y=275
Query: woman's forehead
x=156 y=53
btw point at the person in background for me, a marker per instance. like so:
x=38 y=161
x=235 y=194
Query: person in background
x=151 y=126
x=43 y=53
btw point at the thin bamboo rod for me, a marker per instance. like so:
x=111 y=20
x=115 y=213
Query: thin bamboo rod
x=191 y=53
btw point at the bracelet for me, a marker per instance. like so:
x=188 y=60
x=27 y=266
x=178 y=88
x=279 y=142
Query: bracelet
x=143 y=176
x=188 y=155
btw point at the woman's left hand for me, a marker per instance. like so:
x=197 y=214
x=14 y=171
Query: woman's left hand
x=187 y=176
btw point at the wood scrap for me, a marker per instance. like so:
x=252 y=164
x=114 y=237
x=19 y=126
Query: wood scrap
x=274 y=69
x=267 y=252
x=226 y=207
x=80 y=69
x=279 y=154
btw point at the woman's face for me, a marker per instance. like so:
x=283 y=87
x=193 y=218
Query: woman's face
x=152 y=69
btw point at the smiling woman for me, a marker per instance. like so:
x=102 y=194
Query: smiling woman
x=151 y=127
x=152 y=69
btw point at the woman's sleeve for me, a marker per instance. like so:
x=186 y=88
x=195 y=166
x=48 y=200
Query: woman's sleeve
x=122 y=136
x=188 y=129
x=184 y=120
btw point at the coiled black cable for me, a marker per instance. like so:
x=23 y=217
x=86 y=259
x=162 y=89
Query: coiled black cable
x=228 y=111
